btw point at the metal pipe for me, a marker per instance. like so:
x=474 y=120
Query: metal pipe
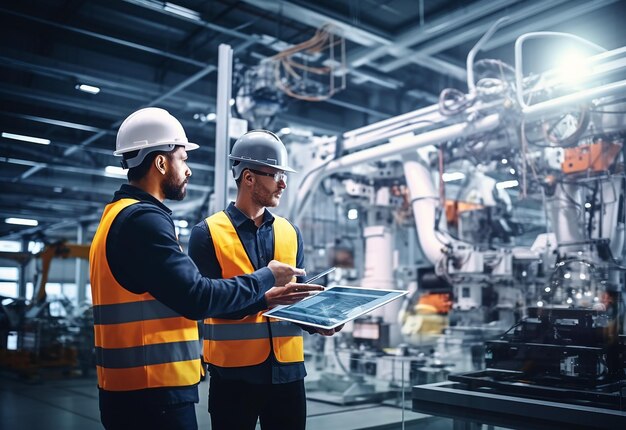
x=433 y=137
x=471 y=84
x=536 y=111
x=222 y=137
x=519 y=73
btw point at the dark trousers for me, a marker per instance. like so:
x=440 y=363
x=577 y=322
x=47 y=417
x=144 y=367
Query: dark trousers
x=181 y=416
x=236 y=405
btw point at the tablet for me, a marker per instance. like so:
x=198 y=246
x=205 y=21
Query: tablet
x=335 y=306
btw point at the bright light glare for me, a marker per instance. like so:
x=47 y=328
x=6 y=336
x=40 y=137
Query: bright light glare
x=115 y=171
x=507 y=184
x=285 y=130
x=22 y=221
x=453 y=176
x=181 y=223
x=353 y=214
x=88 y=88
x=572 y=68
x=24 y=138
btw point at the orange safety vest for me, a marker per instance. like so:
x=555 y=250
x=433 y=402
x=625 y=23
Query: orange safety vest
x=249 y=341
x=140 y=342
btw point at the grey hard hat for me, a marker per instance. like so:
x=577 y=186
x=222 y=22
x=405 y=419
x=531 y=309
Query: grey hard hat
x=259 y=148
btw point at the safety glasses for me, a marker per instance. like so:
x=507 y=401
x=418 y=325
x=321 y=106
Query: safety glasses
x=278 y=176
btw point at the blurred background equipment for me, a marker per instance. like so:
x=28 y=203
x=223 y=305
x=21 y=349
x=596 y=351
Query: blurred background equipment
x=45 y=333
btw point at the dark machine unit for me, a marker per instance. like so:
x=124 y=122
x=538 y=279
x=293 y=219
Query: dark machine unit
x=565 y=354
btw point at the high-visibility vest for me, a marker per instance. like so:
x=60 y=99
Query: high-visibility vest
x=249 y=341
x=140 y=342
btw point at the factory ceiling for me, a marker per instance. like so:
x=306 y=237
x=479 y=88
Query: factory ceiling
x=399 y=54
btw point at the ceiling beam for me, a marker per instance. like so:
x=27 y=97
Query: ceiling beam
x=472 y=32
x=349 y=31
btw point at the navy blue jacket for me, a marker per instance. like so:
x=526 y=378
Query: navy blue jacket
x=259 y=245
x=145 y=257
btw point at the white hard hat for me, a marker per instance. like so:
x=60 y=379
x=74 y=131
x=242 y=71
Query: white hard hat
x=147 y=130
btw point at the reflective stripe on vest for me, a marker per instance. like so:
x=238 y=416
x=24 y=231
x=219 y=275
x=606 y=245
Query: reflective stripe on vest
x=140 y=342
x=246 y=342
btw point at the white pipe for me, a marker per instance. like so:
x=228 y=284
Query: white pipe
x=471 y=84
x=424 y=200
x=519 y=73
x=536 y=111
x=433 y=137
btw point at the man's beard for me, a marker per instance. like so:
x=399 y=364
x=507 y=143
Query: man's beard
x=263 y=197
x=173 y=190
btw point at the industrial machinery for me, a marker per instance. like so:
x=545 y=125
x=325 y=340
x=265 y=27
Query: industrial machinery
x=46 y=333
x=515 y=191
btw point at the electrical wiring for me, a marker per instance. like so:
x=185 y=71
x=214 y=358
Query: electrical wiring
x=291 y=76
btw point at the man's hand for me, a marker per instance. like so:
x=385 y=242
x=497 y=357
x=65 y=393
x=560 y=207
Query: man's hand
x=329 y=332
x=290 y=293
x=284 y=273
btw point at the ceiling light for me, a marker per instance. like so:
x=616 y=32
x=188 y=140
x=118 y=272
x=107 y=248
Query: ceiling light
x=181 y=223
x=507 y=184
x=24 y=138
x=211 y=116
x=353 y=213
x=181 y=11
x=453 y=176
x=232 y=102
x=285 y=130
x=22 y=221
x=88 y=88
x=114 y=171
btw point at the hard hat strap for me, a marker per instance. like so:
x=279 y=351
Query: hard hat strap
x=138 y=159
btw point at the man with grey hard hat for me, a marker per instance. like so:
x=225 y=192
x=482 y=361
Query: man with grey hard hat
x=256 y=364
x=147 y=293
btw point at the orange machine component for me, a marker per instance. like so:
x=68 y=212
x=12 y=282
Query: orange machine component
x=596 y=157
x=454 y=208
x=439 y=301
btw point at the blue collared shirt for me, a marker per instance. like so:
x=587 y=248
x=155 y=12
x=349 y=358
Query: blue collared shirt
x=144 y=256
x=259 y=245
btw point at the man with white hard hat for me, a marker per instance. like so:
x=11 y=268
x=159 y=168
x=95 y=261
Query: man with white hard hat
x=148 y=294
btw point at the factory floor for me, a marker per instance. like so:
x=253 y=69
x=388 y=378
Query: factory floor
x=72 y=404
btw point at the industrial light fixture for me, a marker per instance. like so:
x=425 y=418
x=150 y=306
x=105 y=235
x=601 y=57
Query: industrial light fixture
x=88 y=88
x=181 y=11
x=453 y=176
x=24 y=138
x=205 y=117
x=22 y=221
x=284 y=131
x=507 y=184
x=353 y=213
x=114 y=171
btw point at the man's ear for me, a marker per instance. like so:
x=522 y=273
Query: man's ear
x=160 y=162
x=247 y=176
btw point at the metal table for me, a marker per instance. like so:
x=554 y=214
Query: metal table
x=471 y=408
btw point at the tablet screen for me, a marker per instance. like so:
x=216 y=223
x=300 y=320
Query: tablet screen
x=335 y=306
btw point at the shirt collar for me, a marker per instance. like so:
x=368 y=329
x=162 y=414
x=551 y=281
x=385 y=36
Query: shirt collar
x=128 y=191
x=239 y=217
